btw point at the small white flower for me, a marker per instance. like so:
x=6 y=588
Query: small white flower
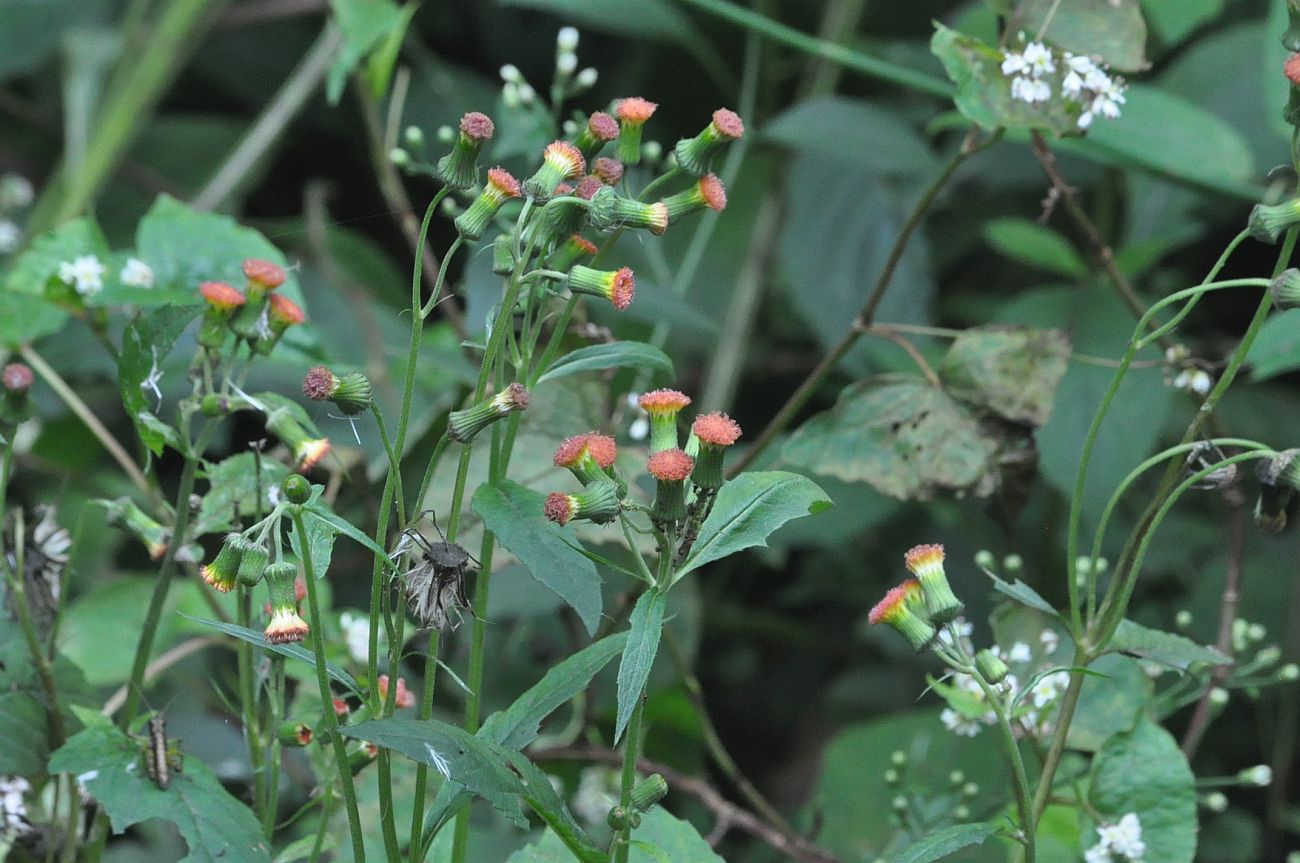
x=1201 y=382
x=1050 y=640
x=1080 y=63
x=1030 y=90
x=958 y=724
x=510 y=74
x=1260 y=774
x=1038 y=57
x=961 y=626
x=1046 y=690
x=1098 y=854
x=13 y=811
x=586 y=78
x=1020 y=652
x=10 y=236
x=1123 y=838
x=1014 y=64
x=639 y=429
x=566 y=63
x=136 y=274
x=526 y=94
x=85 y=274
x=1072 y=85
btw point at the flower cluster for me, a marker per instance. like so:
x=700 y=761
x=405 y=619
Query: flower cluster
x=1184 y=372
x=923 y=603
x=1120 y=842
x=1084 y=82
x=969 y=712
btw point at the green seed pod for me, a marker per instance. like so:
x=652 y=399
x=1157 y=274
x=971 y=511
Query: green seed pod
x=991 y=668
x=648 y=792
x=252 y=566
x=295 y=489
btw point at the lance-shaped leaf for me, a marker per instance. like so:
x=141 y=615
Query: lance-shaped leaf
x=293 y=651
x=1166 y=648
x=514 y=514
x=645 y=625
x=618 y=355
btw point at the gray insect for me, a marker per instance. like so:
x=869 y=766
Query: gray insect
x=162 y=757
x=435 y=582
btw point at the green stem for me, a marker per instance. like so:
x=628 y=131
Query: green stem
x=622 y=842
x=846 y=57
x=1020 y=783
x=247 y=691
x=272 y=784
x=328 y=716
x=1056 y=749
x=865 y=317
x=135 y=683
x=426 y=711
x=423 y=491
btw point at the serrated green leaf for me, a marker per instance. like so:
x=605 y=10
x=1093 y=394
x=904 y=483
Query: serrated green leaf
x=984 y=93
x=1165 y=648
x=216 y=827
x=1111 y=29
x=514 y=514
x=347 y=528
x=748 y=509
x=618 y=355
x=1144 y=772
x=293 y=651
x=1011 y=371
x=1035 y=245
x=941 y=843
x=905 y=437
x=645 y=626
x=145 y=345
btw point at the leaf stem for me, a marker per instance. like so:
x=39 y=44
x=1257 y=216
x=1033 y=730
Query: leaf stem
x=328 y=716
x=621 y=845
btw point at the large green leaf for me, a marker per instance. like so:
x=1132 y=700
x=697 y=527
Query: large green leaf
x=748 y=509
x=23 y=734
x=1165 y=648
x=217 y=827
x=145 y=345
x=1035 y=245
x=941 y=843
x=984 y=93
x=514 y=514
x=1277 y=348
x=905 y=437
x=1111 y=29
x=1172 y=21
x=645 y=626
x=822 y=126
x=1011 y=371
x=1112 y=701
x=1140 y=137
x=1143 y=772
x=617 y=355
x=293 y=651
x=25 y=318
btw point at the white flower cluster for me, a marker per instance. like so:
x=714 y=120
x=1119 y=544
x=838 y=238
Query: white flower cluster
x=136 y=274
x=1086 y=82
x=13 y=811
x=1034 y=706
x=85 y=274
x=1116 y=842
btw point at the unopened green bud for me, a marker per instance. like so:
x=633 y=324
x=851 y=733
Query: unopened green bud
x=984 y=559
x=970 y=789
x=459 y=168
x=990 y=667
x=1268 y=223
x=1215 y=801
x=414 y=137
x=926 y=563
x=1013 y=564
x=956 y=777
x=463 y=425
x=1261 y=775
x=898 y=758
x=295 y=489
x=1256 y=631
x=1285 y=289
x=648 y=792
x=1218 y=697
x=1289 y=672
x=891 y=776
x=1183 y=619
x=899 y=803
x=1268 y=656
x=399 y=157
x=695 y=155
x=903 y=608
x=961 y=812
x=252 y=566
